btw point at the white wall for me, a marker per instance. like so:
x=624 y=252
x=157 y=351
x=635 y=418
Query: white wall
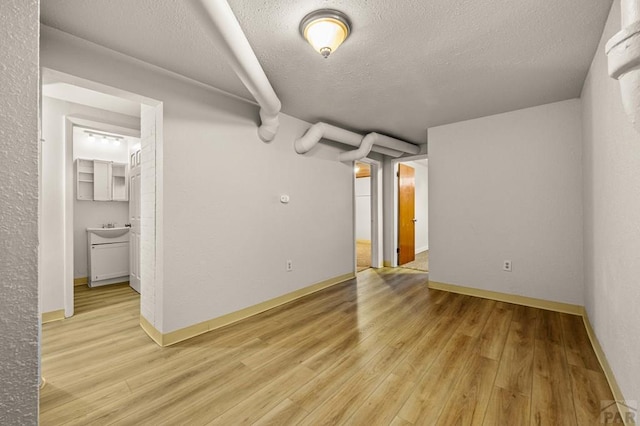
x=54 y=178
x=19 y=349
x=611 y=219
x=92 y=214
x=421 y=203
x=363 y=208
x=508 y=187
x=226 y=236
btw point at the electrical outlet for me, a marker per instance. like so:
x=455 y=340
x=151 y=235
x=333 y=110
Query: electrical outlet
x=506 y=266
x=289 y=265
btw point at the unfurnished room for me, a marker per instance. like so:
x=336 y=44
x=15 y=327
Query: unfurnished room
x=225 y=212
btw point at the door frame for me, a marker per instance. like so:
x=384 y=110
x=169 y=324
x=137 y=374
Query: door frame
x=71 y=122
x=394 y=241
x=152 y=143
x=376 y=213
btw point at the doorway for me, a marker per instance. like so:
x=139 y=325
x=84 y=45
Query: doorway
x=363 y=215
x=368 y=214
x=411 y=213
x=74 y=108
x=102 y=201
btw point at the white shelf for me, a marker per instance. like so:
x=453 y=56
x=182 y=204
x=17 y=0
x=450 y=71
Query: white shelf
x=119 y=182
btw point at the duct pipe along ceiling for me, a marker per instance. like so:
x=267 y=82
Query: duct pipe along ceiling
x=623 y=53
x=361 y=152
x=222 y=25
x=380 y=143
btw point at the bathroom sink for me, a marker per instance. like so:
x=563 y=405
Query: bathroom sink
x=109 y=232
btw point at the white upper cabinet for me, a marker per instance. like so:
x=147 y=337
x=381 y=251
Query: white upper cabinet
x=98 y=180
x=101 y=180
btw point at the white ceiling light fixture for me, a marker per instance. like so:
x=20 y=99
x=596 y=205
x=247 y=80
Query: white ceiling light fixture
x=104 y=138
x=325 y=30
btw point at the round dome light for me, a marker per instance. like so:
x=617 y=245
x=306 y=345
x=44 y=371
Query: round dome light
x=325 y=30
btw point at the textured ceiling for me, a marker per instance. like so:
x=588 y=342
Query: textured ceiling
x=408 y=65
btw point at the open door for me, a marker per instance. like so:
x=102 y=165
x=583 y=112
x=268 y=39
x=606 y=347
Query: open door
x=406 y=214
x=134 y=219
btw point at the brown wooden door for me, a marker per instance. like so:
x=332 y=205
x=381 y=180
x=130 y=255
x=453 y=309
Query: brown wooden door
x=406 y=214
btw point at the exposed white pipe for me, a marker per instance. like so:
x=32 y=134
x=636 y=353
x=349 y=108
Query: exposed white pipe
x=361 y=152
x=397 y=144
x=382 y=144
x=222 y=25
x=386 y=151
x=623 y=53
x=321 y=130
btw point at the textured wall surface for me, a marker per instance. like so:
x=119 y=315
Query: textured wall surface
x=508 y=187
x=611 y=227
x=18 y=212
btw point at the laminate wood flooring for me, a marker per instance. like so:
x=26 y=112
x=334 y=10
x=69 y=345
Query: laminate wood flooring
x=382 y=349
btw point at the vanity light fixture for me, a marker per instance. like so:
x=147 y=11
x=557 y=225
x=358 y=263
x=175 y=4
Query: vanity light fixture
x=325 y=30
x=104 y=138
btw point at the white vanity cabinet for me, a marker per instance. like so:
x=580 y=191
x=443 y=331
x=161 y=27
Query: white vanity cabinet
x=108 y=255
x=98 y=180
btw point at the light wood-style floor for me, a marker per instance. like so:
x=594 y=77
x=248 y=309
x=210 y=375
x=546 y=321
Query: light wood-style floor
x=420 y=263
x=380 y=350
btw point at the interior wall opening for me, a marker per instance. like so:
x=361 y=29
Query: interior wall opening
x=363 y=215
x=411 y=213
x=368 y=213
x=91 y=164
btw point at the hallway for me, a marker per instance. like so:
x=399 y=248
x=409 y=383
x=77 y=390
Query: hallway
x=379 y=349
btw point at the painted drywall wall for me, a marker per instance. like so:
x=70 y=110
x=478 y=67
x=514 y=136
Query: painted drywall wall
x=508 y=187
x=363 y=208
x=226 y=236
x=611 y=164
x=421 y=204
x=19 y=328
x=92 y=214
x=53 y=192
